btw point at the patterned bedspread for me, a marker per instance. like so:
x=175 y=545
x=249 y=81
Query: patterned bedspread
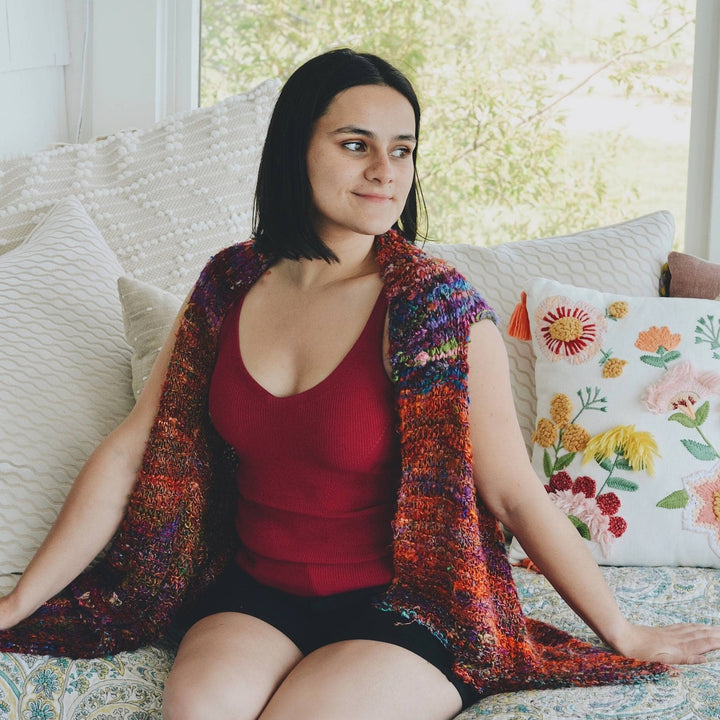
x=128 y=686
x=648 y=596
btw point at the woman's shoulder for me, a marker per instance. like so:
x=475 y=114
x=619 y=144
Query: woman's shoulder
x=419 y=278
x=234 y=261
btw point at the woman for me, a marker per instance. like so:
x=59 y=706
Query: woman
x=359 y=382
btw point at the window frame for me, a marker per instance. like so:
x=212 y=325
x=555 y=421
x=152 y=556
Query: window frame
x=702 y=224
x=145 y=62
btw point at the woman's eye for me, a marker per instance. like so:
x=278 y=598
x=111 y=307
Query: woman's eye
x=401 y=152
x=354 y=145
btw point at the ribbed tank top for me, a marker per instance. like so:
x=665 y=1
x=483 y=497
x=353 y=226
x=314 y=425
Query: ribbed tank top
x=319 y=470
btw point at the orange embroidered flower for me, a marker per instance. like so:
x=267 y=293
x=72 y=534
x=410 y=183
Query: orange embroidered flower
x=570 y=330
x=561 y=409
x=654 y=338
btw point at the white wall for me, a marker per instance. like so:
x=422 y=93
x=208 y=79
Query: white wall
x=141 y=59
x=158 y=43
x=34 y=50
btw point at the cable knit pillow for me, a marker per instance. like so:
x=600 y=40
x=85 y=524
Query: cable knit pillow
x=165 y=198
x=627 y=439
x=627 y=257
x=64 y=371
x=148 y=315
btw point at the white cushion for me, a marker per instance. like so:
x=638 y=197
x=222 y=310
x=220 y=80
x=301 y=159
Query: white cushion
x=165 y=198
x=148 y=316
x=627 y=257
x=64 y=369
x=628 y=433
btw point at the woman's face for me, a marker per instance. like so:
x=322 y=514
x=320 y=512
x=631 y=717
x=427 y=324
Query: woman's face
x=360 y=162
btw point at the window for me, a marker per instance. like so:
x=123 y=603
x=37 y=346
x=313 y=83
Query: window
x=539 y=117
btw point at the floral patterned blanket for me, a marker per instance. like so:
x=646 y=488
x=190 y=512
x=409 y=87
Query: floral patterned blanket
x=128 y=686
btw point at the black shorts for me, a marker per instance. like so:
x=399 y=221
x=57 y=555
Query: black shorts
x=312 y=622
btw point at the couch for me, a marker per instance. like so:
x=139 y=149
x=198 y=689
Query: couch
x=98 y=244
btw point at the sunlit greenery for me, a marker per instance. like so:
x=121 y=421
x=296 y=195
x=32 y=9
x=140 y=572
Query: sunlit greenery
x=496 y=162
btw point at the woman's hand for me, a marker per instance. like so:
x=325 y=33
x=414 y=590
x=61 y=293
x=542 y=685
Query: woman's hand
x=680 y=644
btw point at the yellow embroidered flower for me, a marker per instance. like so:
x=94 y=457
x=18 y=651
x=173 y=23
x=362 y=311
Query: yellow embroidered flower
x=575 y=438
x=654 y=338
x=561 y=409
x=613 y=367
x=618 y=309
x=636 y=446
x=716 y=505
x=546 y=433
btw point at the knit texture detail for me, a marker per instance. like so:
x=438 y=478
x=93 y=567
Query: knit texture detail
x=451 y=569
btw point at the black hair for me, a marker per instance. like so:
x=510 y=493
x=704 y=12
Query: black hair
x=283 y=213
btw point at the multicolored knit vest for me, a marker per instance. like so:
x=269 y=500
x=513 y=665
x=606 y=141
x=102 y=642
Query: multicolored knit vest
x=451 y=571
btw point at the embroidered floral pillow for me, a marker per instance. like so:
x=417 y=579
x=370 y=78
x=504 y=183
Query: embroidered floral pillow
x=627 y=439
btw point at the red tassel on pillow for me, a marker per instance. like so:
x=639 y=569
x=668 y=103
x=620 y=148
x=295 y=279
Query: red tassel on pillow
x=519 y=324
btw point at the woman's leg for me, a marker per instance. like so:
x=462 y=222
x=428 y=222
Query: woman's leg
x=227 y=666
x=364 y=680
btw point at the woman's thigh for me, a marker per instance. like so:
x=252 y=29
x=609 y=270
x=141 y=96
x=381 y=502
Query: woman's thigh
x=364 y=680
x=227 y=666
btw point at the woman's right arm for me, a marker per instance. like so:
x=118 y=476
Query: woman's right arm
x=95 y=505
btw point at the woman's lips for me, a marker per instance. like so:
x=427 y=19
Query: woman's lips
x=371 y=197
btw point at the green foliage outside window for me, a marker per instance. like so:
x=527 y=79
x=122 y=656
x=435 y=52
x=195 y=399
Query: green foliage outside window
x=494 y=160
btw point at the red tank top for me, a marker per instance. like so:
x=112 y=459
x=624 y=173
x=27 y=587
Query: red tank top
x=319 y=470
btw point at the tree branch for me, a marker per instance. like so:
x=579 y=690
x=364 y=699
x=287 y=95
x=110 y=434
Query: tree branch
x=616 y=58
x=601 y=68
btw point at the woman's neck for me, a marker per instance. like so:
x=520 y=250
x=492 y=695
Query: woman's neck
x=356 y=259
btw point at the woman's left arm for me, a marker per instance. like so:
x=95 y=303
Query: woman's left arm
x=511 y=490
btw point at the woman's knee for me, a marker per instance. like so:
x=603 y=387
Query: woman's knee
x=191 y=694
x=364 y=680
x=183 y=700
x=227 y=666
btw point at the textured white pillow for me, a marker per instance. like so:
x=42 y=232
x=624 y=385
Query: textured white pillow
x=165 y=199
x=623 y=258
x=628 y=433
x=64 y=371
x=148 y=316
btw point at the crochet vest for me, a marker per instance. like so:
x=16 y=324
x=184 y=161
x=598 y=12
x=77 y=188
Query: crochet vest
x=451 y=570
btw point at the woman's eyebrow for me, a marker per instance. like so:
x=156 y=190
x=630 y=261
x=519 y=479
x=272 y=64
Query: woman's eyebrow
x=353 y=130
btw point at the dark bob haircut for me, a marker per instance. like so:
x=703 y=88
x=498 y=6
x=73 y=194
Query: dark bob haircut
x=283 y=214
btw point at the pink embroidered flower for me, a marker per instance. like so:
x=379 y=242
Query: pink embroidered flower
x=570 y=330
x=594 y=517
x=588 y=512
x=680 y=389
x=702 y=512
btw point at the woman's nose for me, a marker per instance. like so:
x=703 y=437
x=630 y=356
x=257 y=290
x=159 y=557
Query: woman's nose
x=379 y=169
